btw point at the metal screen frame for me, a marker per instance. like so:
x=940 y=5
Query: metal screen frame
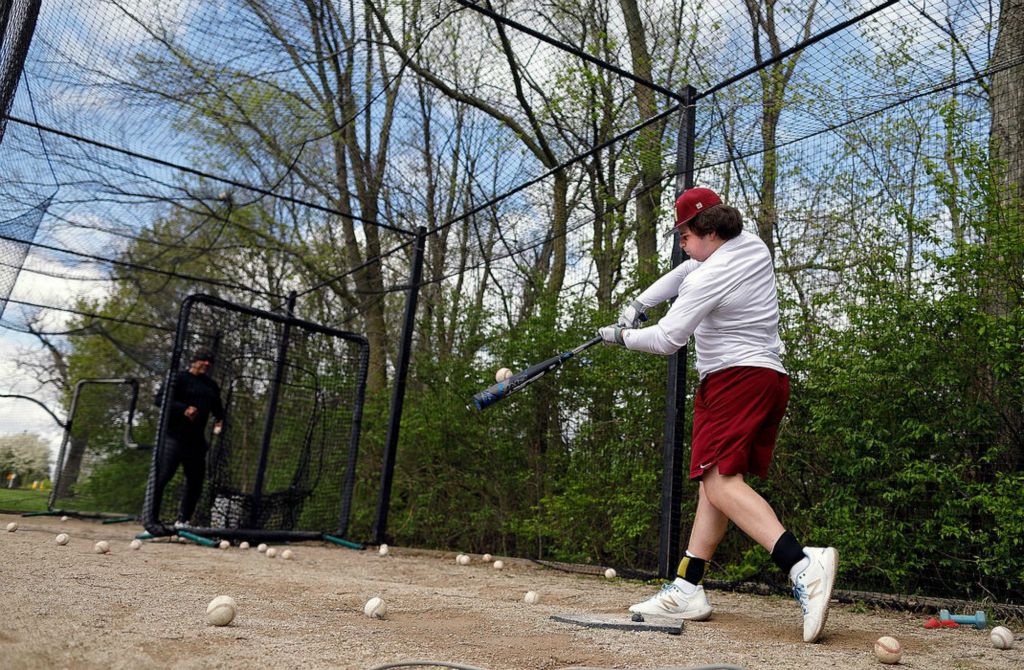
x=127 y=438
x=151 y=510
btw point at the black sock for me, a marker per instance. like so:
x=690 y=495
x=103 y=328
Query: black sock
x=692 y=569
x=787 y=552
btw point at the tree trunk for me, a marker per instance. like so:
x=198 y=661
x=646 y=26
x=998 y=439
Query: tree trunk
x=1007 y=97
x=648 y=144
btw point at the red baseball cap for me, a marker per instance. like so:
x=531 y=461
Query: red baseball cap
x=691 y=203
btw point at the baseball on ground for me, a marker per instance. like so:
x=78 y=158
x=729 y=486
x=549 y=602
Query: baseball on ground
x=101 y=547
x=135 y=544
x=271 y=552
x=375 y=608
x=287 y=554
x=610 y=573
x=221 y=610
x=224 y=544
x=462 y=559
x=64 y=518
x=502 y=374
x=488 y=558
x=243 y=545
x=888 y=650
x=531 y=598
x=62 y=539
x=262 y=548
x=499 y=565
x=383 y=551
x=12 y=526
x=1001 y=638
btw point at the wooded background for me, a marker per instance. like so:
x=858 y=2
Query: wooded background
x=248 y=148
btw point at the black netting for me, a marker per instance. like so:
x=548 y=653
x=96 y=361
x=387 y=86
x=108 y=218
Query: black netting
x=255 y=148
x=103 y=462
x=17 y=23
x=292 y=394
x=16 y=237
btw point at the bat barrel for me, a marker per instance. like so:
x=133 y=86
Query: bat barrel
x=489 y=396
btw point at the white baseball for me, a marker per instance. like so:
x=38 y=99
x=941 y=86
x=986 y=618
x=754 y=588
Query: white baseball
x=1001 y=638
x=136 y=544
x=499 y=565
x=462 y=559
x=12 y=526
x=610 y=573
x=888 y=650
x=224 y=544
x=181 y=540
x=287 y=554
x=531 y=598
x=271 y=552
x=502 y=374
x=64 y=518
x=62 y=539
x=101 y=547
x=221 y=610
x=375 y=608
x=243 y=545
x=488 y=558
x=262 y=548
x=383 y=551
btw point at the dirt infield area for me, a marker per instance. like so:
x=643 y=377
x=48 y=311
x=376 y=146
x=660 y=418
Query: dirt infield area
x=68 y=607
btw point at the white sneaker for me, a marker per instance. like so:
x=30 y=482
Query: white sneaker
x=180 y=524
x=673 y=603
x=812 y=588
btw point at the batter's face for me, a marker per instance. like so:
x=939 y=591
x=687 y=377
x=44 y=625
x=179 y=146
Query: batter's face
x=696 y=247
x=199 y=367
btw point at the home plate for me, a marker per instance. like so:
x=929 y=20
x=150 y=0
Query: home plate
x=635 y=622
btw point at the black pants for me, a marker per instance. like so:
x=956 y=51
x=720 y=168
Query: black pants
x=191 y=455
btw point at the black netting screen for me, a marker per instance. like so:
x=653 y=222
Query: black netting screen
x=102 y=467
x=292 y=394
x=17 y=23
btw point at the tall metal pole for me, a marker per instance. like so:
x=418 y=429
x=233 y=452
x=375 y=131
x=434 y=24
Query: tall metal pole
x=675 y=394
x=268 y=422
x=380 y=525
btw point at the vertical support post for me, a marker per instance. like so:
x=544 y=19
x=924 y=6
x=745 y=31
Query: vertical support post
x=380 y=524
x=60 y=484
x=675 y=394
x=268 y=423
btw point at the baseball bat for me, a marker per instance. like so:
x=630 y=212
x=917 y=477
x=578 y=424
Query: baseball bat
x=524 y=378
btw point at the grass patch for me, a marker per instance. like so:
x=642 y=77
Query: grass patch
x=23 y=500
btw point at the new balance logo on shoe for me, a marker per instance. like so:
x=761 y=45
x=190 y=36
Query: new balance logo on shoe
x=812 y=588
x=673 y=603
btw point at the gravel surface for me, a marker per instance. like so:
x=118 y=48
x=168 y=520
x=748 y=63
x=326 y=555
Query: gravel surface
x=68 y=607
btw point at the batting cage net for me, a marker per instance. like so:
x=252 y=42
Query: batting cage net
x=282 y=463
x=229 y=148
x=102 y=467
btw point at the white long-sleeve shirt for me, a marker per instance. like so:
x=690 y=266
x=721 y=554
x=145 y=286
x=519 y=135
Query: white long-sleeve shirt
x=728 y=303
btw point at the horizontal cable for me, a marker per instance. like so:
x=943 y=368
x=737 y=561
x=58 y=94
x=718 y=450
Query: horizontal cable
x=570 y=49
x=206 y=175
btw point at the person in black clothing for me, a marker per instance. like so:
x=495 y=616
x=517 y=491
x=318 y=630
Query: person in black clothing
x=195 y=397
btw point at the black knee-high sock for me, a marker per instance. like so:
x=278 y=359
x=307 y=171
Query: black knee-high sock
x=787 y=552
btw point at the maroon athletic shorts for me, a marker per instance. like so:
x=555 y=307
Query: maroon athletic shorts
x=736 y=417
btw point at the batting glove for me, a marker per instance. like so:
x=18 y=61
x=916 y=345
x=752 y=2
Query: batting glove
x=632 y=315
x=612 y=334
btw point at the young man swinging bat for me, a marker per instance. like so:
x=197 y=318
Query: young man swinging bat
x=726 y=299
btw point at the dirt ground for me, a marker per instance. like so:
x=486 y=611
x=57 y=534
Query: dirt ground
x=68 y=607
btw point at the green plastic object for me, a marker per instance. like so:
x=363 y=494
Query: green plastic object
x=344 y=543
